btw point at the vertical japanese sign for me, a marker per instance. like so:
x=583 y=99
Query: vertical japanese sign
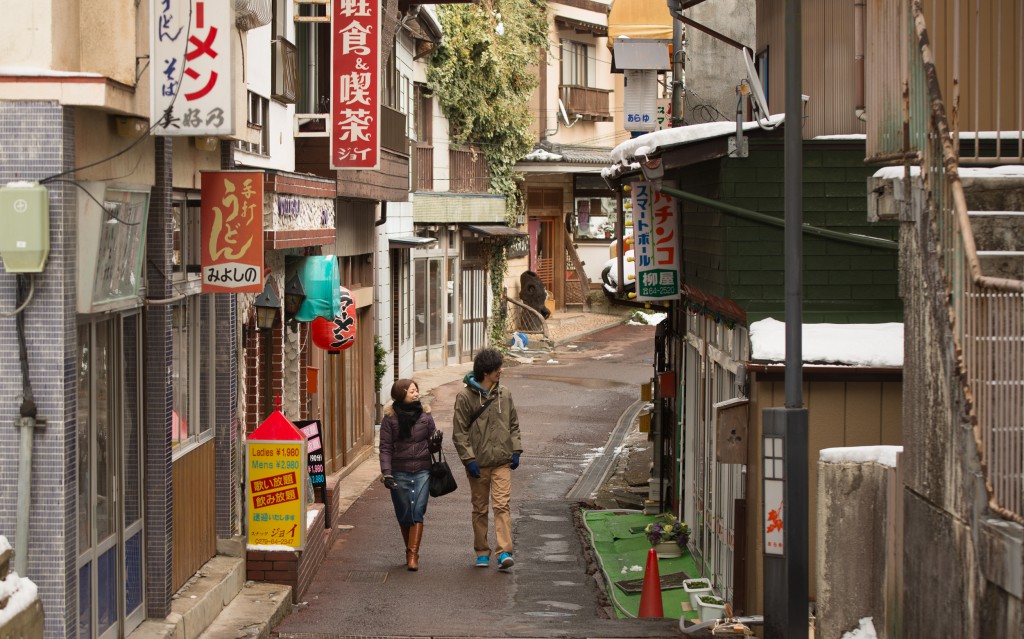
x=232 y=231
x=190 y=62
x=355 y=69
x=314 y=451
x=275 y=488
x=656 y=245
x=774 y=488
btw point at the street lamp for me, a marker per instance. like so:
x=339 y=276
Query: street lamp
x=268 y=304
x=294 y=295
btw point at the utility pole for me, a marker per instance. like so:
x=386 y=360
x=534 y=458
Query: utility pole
x=785 y=429
x=674 y=7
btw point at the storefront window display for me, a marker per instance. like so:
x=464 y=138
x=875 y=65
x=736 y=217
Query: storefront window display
x=595 y=217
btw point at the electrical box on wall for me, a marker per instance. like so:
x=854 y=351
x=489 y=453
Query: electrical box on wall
x=24 y=227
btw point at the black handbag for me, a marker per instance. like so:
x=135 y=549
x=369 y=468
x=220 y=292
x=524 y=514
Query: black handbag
x=442 y=481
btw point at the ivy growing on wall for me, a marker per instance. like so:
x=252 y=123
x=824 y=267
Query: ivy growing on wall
x=483 y=73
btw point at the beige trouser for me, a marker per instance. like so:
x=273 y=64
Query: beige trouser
x=495 y=484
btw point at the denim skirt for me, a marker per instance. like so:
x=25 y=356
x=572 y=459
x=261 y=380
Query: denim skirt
x=410 y=497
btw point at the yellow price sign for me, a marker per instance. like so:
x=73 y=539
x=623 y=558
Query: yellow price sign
x=275 y=491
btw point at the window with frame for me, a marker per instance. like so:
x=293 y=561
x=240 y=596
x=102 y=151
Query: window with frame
x=578 y=64
x=595 y=212
x=393 y=86
x=313 y=45
x=424 y=111
x=185 y=233
x=191 y=371
x=257 y=113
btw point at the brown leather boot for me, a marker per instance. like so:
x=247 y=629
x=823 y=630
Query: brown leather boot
x=405 y=536
x=412 y=554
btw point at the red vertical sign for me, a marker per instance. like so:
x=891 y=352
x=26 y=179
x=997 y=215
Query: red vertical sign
x=232 y=231
x=355 y=69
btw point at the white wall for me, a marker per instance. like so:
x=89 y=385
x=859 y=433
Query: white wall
x=258 y=79
x=399 y=223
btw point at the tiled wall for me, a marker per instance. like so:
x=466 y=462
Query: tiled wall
x=36 y=142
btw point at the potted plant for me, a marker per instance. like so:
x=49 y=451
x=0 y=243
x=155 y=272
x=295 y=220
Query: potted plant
x=667 y=535
x=711 y=607
x=695 y=588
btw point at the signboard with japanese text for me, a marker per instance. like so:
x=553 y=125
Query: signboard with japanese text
x=232 y=231
x=275 y=489
x=774 y=488
x=314 y=451
x=355 y=69
x=191 y=68
x=664 y=114
x=655 y=244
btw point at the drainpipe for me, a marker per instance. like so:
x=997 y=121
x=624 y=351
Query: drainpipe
x=383 y=213
x=27 y=423
x=858 y=58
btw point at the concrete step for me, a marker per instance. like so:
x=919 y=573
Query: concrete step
x=998 y=230
x=253 y=613
x=198 y=603
x=563 y=319
x=993 y=189
x=1007 y=264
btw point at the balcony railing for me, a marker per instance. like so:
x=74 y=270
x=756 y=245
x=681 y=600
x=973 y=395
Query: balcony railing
x=423 y=162
x=592 y=104
x=393 y=129
x=469 y=171
x=980 y=77
x=987 y=312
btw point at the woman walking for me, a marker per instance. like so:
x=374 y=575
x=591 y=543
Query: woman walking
x=407 y=437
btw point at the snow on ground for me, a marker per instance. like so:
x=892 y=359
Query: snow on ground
x=18 y=592
x=866 y=630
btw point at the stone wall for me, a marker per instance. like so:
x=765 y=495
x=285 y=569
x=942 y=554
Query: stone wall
x=855 y=534
x=947 y=571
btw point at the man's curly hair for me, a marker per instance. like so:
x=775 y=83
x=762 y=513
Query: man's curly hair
x=486 y=361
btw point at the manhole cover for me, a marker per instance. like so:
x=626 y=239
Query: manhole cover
x=364 y=576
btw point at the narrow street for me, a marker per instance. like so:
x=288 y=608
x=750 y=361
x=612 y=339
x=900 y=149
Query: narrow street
x=569 y=404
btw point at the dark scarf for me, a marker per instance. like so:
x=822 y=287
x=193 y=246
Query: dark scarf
x=407 y=413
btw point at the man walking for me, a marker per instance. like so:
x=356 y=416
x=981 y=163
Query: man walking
x=486 y=437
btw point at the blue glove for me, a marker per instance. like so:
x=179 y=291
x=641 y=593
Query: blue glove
x=473 y=469
x=515 y=461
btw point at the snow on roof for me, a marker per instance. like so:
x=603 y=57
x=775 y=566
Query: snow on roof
x=876 y=345
x=847 y=136
x=682 y=135
x=884 y=455
x=1014 y=170
x=542 y=155
x=44 y=73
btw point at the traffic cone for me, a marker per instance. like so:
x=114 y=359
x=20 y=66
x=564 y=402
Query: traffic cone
x=650 y=596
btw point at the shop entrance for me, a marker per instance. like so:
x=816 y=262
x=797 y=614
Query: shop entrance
x=109 y=495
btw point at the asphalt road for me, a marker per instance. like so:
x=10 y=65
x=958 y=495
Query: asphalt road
x=569 y=404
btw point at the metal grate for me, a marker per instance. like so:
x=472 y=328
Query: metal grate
x=363 y=576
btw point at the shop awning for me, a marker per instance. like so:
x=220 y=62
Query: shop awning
x=648 y=19
x=410 y=241
x=495 y=231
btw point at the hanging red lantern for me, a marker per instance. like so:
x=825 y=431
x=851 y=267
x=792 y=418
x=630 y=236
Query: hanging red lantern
x=339 y=333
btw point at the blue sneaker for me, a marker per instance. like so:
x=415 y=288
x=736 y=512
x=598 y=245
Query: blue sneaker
x=505 y=560
x=483 y=561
